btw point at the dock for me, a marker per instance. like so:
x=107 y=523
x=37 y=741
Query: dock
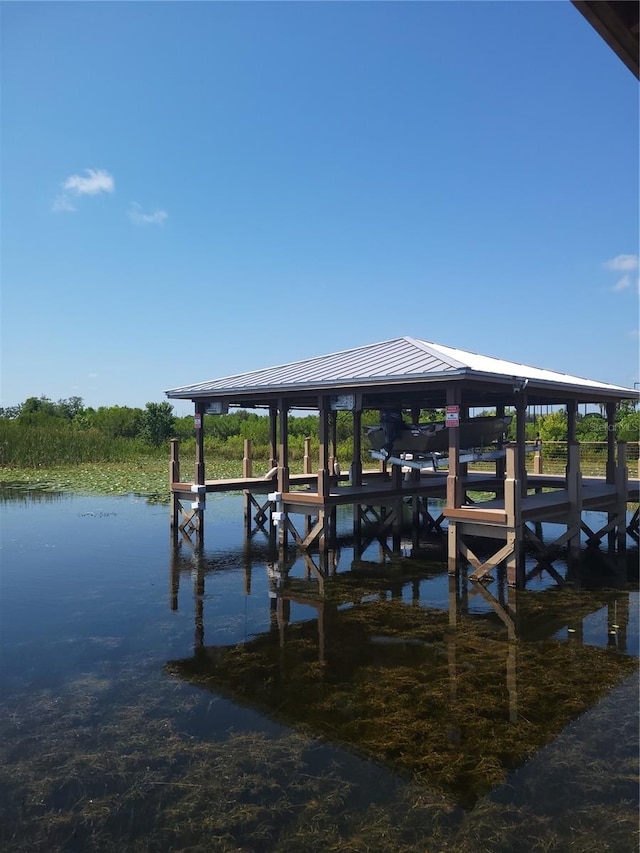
x=502 y=506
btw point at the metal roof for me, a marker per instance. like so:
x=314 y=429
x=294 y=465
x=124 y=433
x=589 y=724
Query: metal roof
x=403 y=359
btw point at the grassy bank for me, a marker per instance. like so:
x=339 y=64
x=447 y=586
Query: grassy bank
x=143 y=475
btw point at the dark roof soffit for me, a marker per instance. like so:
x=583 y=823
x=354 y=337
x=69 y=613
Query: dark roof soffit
x=617 y=22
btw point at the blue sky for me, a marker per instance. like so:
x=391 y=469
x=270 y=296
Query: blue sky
x=191 y=190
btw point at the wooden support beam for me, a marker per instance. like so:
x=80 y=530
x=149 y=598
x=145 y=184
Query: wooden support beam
x=521 y=421
x=174 y=477
x=611 y=443
x=500 y=462
x=283 y=450
x=324 y=483
x=572 y=415
x=247 y=460
x=356 y=462
x=333 y=428
x=537 y=459
x=454 y=486
x=273 y=435
x=622 y=492
x=199 y=431
x=306 y=462
x=574 y=490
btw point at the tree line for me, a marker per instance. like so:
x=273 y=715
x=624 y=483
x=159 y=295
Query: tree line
x=40 y=431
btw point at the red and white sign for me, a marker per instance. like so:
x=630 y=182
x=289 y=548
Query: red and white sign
x=452 y=416
x=197 y=421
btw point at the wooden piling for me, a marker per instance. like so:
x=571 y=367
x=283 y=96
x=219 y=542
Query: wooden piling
x=247 y=460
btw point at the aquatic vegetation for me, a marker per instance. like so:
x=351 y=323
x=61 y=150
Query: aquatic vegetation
x=396 y=685
x=359 y=720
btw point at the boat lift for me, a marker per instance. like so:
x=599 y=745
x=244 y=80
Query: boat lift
x=436 y=461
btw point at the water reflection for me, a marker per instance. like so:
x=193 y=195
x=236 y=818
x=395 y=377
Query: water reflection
x=453 y=689
x=452 y=684
x=26 y=493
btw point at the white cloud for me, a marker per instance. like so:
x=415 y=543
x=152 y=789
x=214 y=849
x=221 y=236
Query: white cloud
x=622 y=263
x=139 y=217
x=95 y=181
x=98 y=181
x=62 y=203
x=623 y=284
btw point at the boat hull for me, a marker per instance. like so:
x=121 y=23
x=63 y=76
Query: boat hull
x=434 y=437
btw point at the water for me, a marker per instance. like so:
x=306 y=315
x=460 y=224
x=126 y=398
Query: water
x=158 y=698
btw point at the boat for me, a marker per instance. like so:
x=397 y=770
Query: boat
x=434 y=437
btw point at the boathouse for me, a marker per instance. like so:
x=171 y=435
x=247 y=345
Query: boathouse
x=408 y=377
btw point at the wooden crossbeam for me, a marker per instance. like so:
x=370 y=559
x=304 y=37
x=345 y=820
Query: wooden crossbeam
x=260 y=517
x=382 y=524
x=503 y=612
x=483 y=567
x=544 y=548
x=188 y=524
x=427 y=519
x=596 y=536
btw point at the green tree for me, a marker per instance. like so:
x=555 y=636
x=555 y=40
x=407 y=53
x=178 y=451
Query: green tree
x=38 y=405
x=628 y=427
x=591 y=427
x=118 y=421
x=553 y=427
x=157 y=422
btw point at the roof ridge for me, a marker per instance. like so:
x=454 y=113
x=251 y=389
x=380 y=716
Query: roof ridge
x=428 y=347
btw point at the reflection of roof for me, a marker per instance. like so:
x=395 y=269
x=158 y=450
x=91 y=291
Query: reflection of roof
x=617 y=22
x=401 y=360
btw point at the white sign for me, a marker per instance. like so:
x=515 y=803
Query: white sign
x=452 y=416
x=217 y=407
x=343 y=403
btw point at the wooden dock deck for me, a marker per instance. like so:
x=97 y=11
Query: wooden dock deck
x=507 y=507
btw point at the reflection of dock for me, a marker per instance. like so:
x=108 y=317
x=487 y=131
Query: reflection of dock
x=420 y=688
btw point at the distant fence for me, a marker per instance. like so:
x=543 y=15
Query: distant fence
x=593 y=458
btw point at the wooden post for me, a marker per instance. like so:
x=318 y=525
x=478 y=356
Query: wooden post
x=611 y=442
x=537 y=459
x=247 y=461
x=356 y=463
x=454 y=488
x=572 y=412
x=273 y=424
x=174 y=477
x=200 y=470
x=622 y=488
x=521 y=416
x=174 y=466
x=452 y=547
x=500 y=462
x=306 y=462
x=574 y=489
x=513 y=510
x=283 y=454
x=333 y=426
x=199 y=430
x=323 y=450
x=464 y=467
